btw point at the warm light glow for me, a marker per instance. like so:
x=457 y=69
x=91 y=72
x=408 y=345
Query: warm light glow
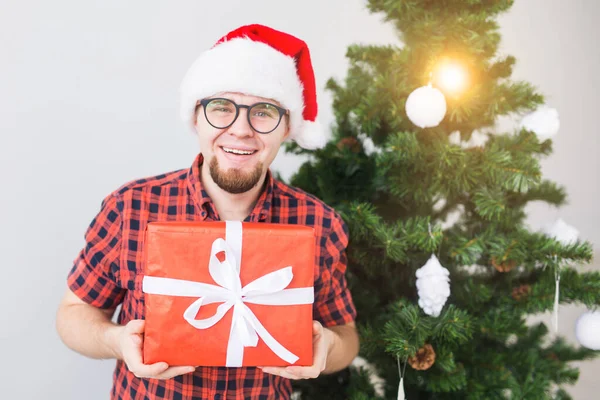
x=451 y=77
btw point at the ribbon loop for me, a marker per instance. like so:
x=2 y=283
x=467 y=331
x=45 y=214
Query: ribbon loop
x=272 y=282
x=224 y=273
x=190 y=314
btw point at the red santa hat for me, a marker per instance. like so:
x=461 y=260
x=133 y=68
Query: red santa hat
x=259 y=61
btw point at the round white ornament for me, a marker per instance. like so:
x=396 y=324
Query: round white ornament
x=587 y=329
x=426 y=107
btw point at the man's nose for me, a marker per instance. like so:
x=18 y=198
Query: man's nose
x=240 y=126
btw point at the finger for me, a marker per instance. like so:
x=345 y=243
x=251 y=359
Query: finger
x=280 y=372
x=287 y=375
x=272 y=370
x=319 y=353
x=304 y=372
x=132 y=355
x=147 y=371
x=152 y=370
x=175 y=371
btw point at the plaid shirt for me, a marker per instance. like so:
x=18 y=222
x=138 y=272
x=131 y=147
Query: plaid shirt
x=109 y=271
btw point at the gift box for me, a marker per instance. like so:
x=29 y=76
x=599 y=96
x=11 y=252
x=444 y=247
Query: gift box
x=228 y=293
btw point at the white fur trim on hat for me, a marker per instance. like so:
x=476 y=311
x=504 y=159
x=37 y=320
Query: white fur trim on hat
x=311 y=135
x=253 y=68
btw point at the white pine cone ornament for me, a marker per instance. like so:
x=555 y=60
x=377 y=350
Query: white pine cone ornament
x=433 y=286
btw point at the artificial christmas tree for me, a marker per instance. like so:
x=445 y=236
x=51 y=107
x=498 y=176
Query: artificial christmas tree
x=407 y=191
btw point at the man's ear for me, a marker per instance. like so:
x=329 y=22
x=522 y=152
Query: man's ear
x=195 y=122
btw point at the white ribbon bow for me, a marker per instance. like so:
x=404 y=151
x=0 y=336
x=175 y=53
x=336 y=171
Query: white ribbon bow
x=245 y=326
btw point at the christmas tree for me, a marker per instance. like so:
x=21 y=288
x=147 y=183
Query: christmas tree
x=428 y=181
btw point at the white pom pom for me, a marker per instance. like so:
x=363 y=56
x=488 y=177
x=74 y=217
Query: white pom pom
x=543 y=122
x=311 y=135
x=426 y=107
x=563 y=232
x=587 y=329
x=433 y=286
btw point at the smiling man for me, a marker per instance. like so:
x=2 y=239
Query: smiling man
x=243 y=98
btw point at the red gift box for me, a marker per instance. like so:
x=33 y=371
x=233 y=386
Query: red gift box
x=206 y=305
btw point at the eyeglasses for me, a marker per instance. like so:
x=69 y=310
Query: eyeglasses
x=222 y=113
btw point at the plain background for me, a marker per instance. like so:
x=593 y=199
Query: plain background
x=89 y=101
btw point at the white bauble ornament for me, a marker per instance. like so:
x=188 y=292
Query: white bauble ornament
x=587 y=329
x=426 y=107
x=433 y=286
x=562 y=232
x=543 y=122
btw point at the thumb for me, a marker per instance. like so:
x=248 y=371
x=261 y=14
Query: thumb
x=317 y=328
x=136 y=326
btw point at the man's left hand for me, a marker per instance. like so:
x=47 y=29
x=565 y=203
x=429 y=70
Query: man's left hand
x=322 y=340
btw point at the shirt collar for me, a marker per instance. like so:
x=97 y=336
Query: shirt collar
x=261 y=211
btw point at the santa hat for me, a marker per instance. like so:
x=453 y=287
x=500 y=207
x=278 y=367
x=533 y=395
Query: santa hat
x=259 y=61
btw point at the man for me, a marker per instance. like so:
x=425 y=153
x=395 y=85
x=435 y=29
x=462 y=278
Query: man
x=253 y=90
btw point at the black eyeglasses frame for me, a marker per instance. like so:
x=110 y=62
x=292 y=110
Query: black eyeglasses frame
x=205 y=102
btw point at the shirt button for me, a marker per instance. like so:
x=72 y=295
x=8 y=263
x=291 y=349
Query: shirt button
x=218 y=397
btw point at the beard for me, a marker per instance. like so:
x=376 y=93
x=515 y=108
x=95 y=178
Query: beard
x=234 y=180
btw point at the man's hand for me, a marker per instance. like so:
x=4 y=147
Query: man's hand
x=129 y=340
x=322 y=340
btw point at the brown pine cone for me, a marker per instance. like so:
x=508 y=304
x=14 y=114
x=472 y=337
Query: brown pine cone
x=520 y=292
x=350 y=143
x=505 y=266
x=423 y=359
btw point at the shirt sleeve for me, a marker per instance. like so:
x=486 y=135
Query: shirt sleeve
x=92 y=277
x=333 y=301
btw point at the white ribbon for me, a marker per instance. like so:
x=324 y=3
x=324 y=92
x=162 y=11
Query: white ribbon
x=401 y=395
x=245 y=326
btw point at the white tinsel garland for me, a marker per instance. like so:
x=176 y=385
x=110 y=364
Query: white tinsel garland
x=543 y=122
x=562 y=232
x=565 y=234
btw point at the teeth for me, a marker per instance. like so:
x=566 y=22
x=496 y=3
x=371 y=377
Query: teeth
x=236 y=151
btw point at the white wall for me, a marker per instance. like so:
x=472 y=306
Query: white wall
x=89 y=101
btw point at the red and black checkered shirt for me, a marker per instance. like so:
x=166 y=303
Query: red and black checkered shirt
x=109 y=271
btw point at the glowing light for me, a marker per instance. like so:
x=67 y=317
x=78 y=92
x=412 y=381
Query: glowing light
x=451 y=77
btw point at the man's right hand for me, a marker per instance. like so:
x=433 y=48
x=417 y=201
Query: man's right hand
x=129 y=342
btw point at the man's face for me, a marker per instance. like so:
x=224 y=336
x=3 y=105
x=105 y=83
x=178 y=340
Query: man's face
x=238 y=173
